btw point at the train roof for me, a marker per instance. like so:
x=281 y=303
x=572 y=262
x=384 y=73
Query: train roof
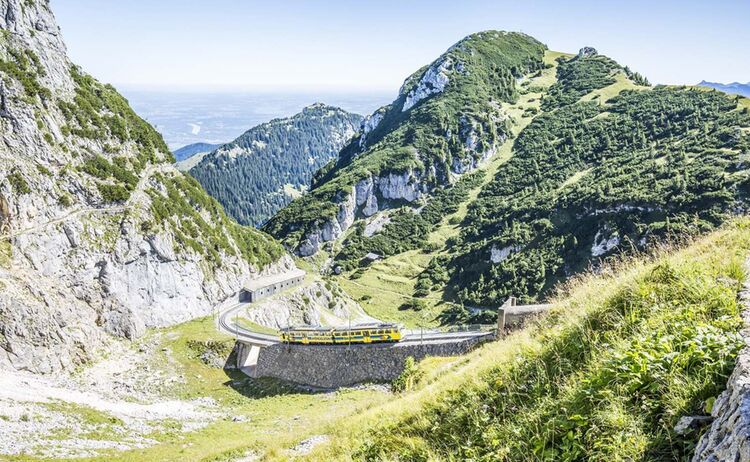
x=340 y=328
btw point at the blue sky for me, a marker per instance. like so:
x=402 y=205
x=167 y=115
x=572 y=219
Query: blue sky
x=374 y=45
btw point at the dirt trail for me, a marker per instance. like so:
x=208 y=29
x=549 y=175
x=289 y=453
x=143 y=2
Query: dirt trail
x=137 y=194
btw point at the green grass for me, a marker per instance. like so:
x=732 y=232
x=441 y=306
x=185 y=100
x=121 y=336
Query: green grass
x=573 y=179
x=390 y=283
x=247 y=324
x=621 y=83
x=19 y=183
x=606 y=376
x=6 y=253
x=101 y=424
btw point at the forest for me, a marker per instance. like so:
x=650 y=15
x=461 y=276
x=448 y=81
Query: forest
x=248 y=176
x=645 y=165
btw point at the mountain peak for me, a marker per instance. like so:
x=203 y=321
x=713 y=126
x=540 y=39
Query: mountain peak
x=587 y=52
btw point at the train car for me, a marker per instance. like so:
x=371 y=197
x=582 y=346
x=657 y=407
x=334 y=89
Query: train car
x=363 y=333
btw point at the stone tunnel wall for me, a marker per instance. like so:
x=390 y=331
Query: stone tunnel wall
x=327 y=366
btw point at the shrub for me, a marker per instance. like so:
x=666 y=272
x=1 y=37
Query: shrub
x=65 y=199
x=19 y=184
x=414 y=304
x=43 y=170
x=113 y=192
x=409 y=377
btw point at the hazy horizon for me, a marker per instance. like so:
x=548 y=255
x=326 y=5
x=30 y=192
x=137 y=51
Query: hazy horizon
x=187 y=117
x=305 y=46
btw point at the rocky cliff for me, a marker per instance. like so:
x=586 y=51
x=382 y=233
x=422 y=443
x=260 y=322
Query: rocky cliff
x=99 y=234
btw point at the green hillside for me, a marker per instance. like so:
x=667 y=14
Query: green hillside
x=590 y=161
x=258 y=173
x=606 y=376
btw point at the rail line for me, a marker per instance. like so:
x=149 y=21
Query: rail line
x=226 y=322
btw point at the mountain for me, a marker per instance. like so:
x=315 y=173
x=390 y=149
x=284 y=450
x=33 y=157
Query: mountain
x=735 y=88
x=190 y=150
x=189 y=156
x=503 y=168
x=446 y=120
x=265 y=168
x=100 y=235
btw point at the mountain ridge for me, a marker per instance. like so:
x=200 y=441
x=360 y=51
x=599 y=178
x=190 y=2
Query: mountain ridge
x=190 y=150
x=736 y=88
x=544 y=214
x=264 y=168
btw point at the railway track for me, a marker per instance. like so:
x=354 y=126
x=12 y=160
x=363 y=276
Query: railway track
x=226 y=322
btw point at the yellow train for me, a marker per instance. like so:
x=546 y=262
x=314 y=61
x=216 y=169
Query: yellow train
x=365 y=333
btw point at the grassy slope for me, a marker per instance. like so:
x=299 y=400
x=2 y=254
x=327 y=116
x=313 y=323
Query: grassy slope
x=606 y=377
x=707 y=273
x=277 y=417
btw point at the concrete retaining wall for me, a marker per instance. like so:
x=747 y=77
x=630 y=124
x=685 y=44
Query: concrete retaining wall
x=327 y=366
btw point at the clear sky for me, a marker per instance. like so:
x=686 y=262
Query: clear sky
x=369 y=45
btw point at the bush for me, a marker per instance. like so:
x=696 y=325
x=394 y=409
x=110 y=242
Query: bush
x=19 y=184
x=113 y=192
x=409 y=377
x=414 y=304
x=65 y=200
x=43 y=170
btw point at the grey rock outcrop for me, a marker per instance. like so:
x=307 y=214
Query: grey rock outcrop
x=434 y=80
x=311 y=305
x=728 y=438
x=366 y=198
x=587 y=52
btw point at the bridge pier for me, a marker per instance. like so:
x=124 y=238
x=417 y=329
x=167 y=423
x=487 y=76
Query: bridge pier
x=247 y=358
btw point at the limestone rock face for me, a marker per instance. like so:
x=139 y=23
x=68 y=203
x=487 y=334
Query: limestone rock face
x=311 y=305
x=587 y=52
x=368 y=197
x=76 y=266
x=434 y=81
x=728 y=438
x=369 y=124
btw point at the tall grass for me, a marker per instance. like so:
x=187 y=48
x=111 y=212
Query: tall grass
x=606 y=376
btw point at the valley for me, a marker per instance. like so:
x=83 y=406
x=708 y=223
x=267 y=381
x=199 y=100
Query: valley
x=142 y=297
